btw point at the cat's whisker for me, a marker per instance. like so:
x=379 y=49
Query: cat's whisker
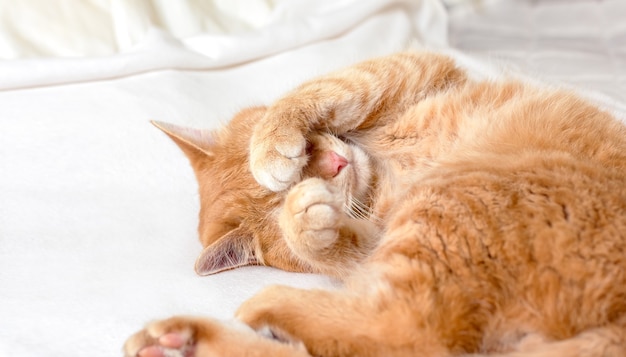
x=351 y=212
x=359 y=210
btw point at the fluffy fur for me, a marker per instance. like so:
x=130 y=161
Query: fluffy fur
x=464 y=218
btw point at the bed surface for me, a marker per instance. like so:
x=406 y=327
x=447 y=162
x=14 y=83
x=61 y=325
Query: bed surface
x=98 y=209
x=581 y=43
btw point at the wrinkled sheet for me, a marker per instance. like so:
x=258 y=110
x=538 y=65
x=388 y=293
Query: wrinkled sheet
x=292 y=24
x=98 y=209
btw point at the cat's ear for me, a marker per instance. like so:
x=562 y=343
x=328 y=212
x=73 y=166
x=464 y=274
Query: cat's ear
x=193 y=142
x=235 y=249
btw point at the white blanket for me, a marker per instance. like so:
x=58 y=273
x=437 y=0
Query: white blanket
x=98 y=209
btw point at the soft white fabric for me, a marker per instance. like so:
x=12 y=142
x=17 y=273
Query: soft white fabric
x=578 y=43
x=97 y=27
x=98 y=209
x=292 y=24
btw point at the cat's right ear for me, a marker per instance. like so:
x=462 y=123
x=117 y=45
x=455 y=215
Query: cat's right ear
x=233 y=250
x=194 y=143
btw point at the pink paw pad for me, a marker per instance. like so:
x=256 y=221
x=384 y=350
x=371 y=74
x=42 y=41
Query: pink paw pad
x=169 y=345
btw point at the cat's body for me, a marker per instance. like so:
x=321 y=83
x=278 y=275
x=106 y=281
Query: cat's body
x=464 y=217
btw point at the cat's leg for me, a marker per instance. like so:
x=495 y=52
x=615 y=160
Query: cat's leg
x=340 y=323
x=318 y=231
x=199 y=337
x=356 y=98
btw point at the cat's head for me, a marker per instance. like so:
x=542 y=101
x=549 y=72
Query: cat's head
x=238 y=217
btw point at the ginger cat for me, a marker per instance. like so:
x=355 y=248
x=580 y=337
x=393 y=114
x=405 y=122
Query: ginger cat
x=464 y=217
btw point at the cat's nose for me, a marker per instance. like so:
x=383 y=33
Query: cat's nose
x=334 y=163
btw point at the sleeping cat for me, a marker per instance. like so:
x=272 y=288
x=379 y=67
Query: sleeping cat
x=464 y=217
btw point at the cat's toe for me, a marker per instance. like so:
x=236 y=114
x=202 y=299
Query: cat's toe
x=137 y=342
x=321 y=216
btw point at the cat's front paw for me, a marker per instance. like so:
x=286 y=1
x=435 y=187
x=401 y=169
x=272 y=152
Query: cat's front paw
x=312 y=215
x=277 y=155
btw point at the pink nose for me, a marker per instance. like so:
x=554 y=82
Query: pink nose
x=335 y=163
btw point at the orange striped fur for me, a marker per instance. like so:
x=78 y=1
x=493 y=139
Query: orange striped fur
x=468 y=217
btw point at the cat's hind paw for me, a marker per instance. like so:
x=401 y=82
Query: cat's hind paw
x=174 y=337
x=189 y=337
x=200 y=337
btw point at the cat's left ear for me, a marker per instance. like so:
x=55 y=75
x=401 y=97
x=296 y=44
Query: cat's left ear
x=235 y=249
x=193 y=142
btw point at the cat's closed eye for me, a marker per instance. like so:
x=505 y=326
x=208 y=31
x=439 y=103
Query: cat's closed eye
x=309 y=148
x=343 y=138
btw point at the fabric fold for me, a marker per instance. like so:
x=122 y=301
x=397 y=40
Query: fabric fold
x=290 y=27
